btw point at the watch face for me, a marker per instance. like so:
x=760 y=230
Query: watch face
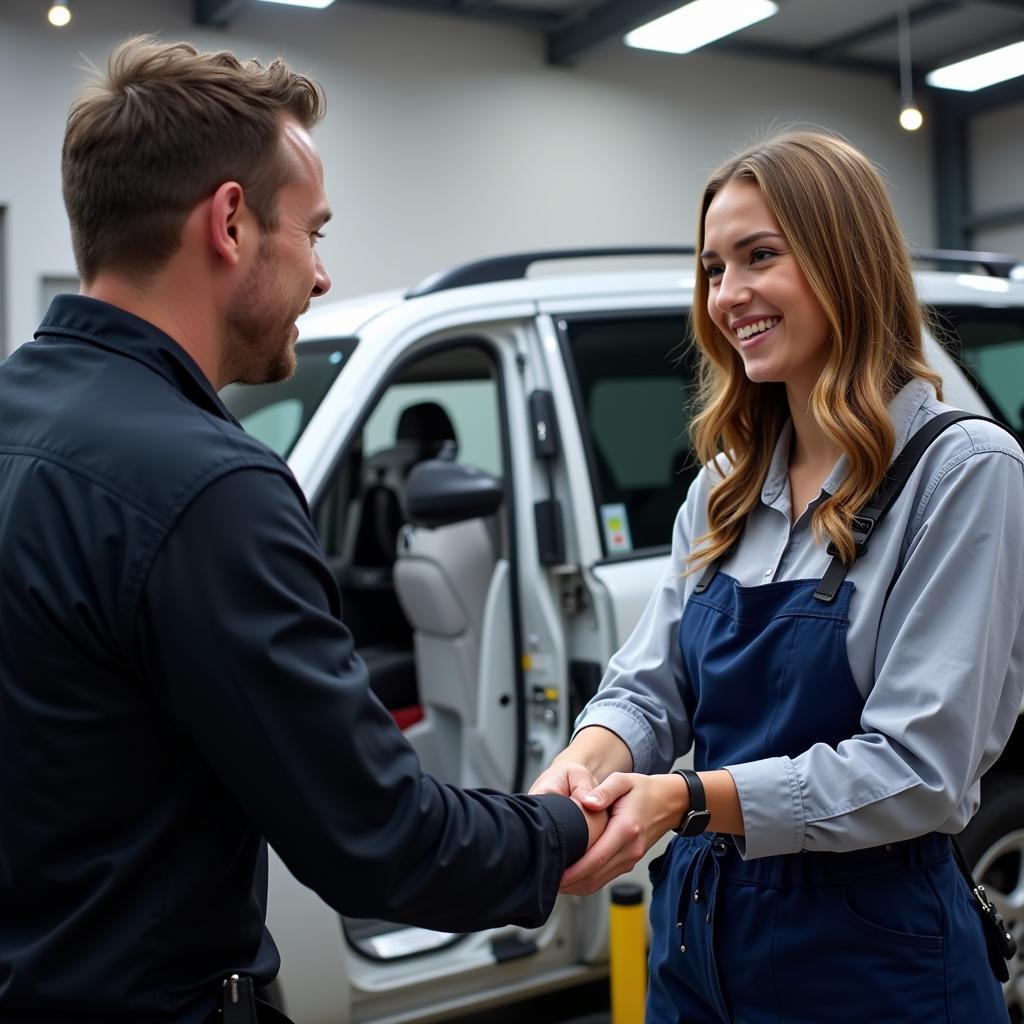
x=695 y=823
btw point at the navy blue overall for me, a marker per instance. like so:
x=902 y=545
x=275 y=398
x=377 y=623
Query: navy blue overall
x=881 y=935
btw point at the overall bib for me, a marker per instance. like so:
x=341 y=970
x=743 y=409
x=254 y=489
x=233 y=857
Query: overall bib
x=887 y=934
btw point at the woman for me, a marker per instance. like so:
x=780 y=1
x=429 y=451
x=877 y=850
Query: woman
x=838 y=737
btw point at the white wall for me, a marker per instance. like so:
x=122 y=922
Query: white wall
x=448 y=139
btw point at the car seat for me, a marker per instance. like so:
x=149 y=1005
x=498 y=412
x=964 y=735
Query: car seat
x=442 y=579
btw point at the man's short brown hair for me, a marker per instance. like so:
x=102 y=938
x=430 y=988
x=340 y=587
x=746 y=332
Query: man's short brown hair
x=158 y=133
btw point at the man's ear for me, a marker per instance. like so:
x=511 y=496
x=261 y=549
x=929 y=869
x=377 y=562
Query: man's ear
x=229 y=221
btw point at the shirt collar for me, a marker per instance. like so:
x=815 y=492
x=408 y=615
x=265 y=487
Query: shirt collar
x=903 y=410
x=121 y=332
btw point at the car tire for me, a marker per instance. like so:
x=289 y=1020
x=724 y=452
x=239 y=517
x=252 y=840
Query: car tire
x=993 y=845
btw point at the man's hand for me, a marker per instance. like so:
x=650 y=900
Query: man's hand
x=641 y=809
x=597 y=822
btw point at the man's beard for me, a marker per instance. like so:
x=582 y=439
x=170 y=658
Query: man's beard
x=257 y=342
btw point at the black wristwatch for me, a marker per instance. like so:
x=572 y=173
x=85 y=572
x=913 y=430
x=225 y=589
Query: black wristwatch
x=698 y=816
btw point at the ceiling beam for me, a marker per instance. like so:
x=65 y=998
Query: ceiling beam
x=481 y=9
x=879 y=29
x=611 y=21
x=792 y=54
x=216 y=12
x=1017 y=5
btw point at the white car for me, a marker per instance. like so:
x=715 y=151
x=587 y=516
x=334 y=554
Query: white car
x=484 y=636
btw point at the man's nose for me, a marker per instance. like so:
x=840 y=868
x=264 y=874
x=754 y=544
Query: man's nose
x=322 y=281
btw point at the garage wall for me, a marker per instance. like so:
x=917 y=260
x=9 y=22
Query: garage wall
x=448 y=139
x=997 y=174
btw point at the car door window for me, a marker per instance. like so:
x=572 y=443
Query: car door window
x=990 y=343
x=470 y=405
x=633 y=383
x=278 y=413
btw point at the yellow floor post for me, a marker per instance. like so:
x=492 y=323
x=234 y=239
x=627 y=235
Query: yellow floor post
x=628 y=942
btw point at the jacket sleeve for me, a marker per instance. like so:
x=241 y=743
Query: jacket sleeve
x=239 y=625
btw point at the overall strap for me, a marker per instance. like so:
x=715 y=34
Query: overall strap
x=896 y=477
x=711 y=569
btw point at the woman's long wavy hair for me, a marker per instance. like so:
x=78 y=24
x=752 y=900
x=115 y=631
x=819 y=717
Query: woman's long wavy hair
x=832 y=206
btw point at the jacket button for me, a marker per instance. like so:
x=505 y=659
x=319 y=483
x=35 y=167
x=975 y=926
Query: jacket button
x=719 y=846
x=682 y=949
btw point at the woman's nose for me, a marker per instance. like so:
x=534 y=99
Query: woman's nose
x=732 y=290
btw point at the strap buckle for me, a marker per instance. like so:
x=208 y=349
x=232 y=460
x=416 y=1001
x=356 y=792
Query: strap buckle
x=861 y=527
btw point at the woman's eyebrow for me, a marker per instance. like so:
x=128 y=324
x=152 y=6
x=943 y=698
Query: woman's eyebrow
x=744 y=242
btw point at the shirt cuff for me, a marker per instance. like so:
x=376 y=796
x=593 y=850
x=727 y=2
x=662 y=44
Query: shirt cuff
x=629 y=724
x=772 y=808
x=571 y=823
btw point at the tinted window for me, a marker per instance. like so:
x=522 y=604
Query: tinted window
x=634 y=388
x=990 y=343
x=277 y=414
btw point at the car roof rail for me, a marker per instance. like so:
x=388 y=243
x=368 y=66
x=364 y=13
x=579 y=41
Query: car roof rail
x=996 y=264
x=515 y=266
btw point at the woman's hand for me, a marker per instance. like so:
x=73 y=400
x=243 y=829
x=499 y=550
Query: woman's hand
x=641 y=809
x=567 y=779
x=574 y=781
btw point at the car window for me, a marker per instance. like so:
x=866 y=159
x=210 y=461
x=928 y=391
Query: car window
x=277 y=414
x=990 y=343
x=471 y=406
x=633 y=382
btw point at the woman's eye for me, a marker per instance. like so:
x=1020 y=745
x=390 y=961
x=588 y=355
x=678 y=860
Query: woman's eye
x=761 y=254
x=713 y=271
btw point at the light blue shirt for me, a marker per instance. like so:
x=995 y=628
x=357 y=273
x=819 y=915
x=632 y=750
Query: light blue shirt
x=939 y=660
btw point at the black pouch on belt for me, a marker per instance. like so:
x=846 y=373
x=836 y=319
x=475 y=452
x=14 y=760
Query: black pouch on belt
x=999 y=942
x=239 y=1003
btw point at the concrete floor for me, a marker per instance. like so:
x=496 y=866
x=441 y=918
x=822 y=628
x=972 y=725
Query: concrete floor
x=588 y=1001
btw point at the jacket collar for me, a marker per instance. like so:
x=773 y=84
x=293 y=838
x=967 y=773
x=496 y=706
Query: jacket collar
x=123 y=333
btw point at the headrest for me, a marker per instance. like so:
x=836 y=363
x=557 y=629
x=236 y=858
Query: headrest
x=427 y=424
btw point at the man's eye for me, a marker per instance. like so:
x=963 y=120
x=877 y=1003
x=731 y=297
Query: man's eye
x=318 y=235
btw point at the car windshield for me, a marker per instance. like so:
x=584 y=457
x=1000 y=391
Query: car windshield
x=990 y=343
x=277 y=414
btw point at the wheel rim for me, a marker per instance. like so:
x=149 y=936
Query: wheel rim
x=1001 y=870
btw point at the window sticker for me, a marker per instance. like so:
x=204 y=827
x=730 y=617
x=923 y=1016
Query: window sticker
x=615 y=520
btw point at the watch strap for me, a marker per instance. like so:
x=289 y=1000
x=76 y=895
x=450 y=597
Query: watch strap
x=698 y=817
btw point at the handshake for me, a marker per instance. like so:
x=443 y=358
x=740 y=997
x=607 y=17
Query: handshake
x=627 y=813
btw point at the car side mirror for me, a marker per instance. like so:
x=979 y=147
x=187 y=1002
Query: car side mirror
x=439 y=492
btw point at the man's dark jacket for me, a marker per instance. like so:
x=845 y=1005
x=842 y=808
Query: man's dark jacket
x=176 y=686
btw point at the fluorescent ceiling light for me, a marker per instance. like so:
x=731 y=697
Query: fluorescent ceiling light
x=978 y=72
x=698 y=23
x=318 y=4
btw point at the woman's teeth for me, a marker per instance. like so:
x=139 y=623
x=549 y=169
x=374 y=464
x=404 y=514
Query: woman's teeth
x=756 y=328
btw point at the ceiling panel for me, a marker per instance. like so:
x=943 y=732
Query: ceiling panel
x=849 y=33
x=809 y=23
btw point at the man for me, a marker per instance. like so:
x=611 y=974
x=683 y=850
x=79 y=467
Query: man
x=175 y=683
